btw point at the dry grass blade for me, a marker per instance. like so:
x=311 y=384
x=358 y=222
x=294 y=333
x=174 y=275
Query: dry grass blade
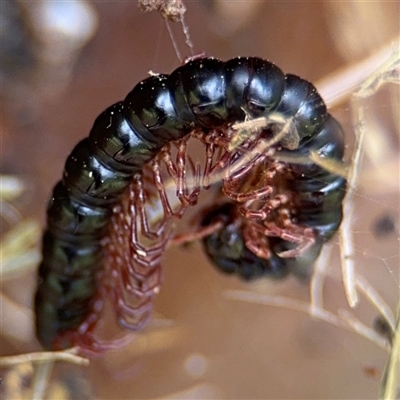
x=345 y=321
x=41 y=380
x=11 y=188
x=198 y=391
x=317 y=280
x=16 y=320
x=376 y=300
x=363 y=330
x=70 y=355
x=390 y=385
x=388 y=71
x=353 y=76
x=19 y=249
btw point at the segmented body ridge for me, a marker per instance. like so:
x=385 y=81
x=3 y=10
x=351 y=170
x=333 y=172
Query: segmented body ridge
x=203 y=95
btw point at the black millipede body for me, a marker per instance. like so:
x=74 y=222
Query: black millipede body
x=205 y=93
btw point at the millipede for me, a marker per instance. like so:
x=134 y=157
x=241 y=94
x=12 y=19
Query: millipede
x=111 y=217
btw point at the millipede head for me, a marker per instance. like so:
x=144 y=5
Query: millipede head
x=227 y=250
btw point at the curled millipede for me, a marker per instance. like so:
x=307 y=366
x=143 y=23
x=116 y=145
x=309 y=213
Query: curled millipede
x=104 y=239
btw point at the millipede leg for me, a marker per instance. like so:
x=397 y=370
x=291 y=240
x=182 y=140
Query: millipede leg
x=140 y=201
x=197 y=235
x=255 y=242
x=182 y=191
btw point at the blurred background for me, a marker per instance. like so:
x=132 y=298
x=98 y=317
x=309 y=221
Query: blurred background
x=62 y=64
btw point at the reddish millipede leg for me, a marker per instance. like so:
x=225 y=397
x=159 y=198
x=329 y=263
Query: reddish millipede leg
x=239 y=197
x=137 y=270
x=138 y=276
x=255 y=242
x=213 y=141
x=178 y=174
x=199 y=234
x=263 y=212
x=182 y=191
x=139 y=202
x=210 y=152
x=133 y=305
x=303 y=236
x=241 y=172
x=85 y=339
x=159 y=182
